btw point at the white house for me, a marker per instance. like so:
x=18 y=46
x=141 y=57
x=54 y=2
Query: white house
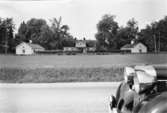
x=28 y=48
x=81 y=45
x=135 y=48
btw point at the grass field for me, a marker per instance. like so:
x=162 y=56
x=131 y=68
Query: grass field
x=80 y=61
x=77 y=68
x=50 y=75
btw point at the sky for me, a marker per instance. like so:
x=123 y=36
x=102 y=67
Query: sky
x=82 y=16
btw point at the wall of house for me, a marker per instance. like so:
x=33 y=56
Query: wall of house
x=91 y=49
x=80 y=44
x=70 y=49
x=139 y=48
x=24 y=49
x=39 y=49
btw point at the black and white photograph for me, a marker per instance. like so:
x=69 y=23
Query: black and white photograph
x=83 y=56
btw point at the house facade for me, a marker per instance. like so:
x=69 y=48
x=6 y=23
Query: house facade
x=134 y=48
x=28 y=48
x=81 y=45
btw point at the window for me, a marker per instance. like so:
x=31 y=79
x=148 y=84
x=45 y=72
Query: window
x=140 y=50
x=23 y=51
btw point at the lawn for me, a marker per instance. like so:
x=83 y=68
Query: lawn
x=77 y=68
x=80 y=61
x=51 y=75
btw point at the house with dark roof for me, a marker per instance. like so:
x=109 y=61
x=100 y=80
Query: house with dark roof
x=86 y=45
x=82 y=46
x=134 y=48
x=28 y=48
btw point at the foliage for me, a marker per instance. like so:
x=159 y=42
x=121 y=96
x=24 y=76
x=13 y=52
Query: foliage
x=155 y=35
x=128 y=33
x=109 y=36
x=91 y=43
x=51 y=37
x=60 y=34
x=146 y=37
x=112 y=37
x=106 y=33
x=31 y=30
x=6 y=35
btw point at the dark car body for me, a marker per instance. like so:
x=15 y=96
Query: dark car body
x=151 y=99
x=157 y=104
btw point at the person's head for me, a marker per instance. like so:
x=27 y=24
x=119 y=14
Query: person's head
x=136 y=85
x=129 y=73
x=130 y=81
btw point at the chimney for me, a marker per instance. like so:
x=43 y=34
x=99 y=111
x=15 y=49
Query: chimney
x=132 y=42
x=30 y=41
x=136 y=37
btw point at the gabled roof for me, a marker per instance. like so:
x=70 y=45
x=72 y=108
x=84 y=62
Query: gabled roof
x=35 y=46
x=129 y=46
x=80 y=43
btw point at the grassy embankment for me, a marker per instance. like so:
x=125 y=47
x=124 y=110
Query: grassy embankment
x=50 y=75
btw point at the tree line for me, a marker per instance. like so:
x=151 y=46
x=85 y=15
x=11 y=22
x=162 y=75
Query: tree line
x=55 y=36
x=110 y=35
x=38 y=31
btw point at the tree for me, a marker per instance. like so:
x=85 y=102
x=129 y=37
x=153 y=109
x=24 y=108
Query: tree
x=60 y=34
x=34 y=27
x=132 y=28
x=31 y=30
x=146 y=37
x=6 y=35
x=36 y=30
x=68 y=42
x=106 y=33
x=56 y=24
x=161 y=34
x=127 y=33
x=51 y=37
x=22 y=32
x=154 y=35
x=46 y=37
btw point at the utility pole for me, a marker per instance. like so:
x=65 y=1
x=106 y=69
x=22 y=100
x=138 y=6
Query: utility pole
x=6 y=41
x=159 y=43
x=154 y=36
x=155 y=44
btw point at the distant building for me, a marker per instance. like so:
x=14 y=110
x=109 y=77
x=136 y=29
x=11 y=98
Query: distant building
x=81 y=45
x=28 y=48
x=134 y=48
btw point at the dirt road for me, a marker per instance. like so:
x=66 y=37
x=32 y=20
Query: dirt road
x=56 y=98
